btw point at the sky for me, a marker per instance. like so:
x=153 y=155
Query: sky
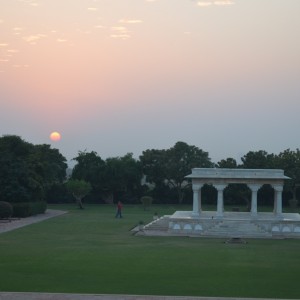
x=119 y=76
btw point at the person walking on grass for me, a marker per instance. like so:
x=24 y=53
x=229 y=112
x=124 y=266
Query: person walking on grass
x=119 y=209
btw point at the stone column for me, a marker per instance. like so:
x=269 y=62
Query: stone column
x=220 y=204
x=197 y=199
x=254 y=188
x=278 y=199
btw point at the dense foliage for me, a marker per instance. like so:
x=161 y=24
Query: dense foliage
x=168 y=168
x=116 y=178
x=32 y=173
x=28 y=171
x=6 y=210
x=79 y=189
x=26 y=209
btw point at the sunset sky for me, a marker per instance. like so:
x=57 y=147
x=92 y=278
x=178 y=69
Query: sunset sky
x=119 y=76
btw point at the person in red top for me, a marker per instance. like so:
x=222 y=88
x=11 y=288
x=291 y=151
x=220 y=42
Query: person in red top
x=119 y=210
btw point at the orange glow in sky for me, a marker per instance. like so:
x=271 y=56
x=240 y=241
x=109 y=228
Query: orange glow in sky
x=55 y=136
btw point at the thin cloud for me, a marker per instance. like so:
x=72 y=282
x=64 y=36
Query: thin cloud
x=119 y=28
x=217 y=3
x=84 y=31
x=33 y=38
x=20 y=66
x=224 y=2
x=17 y=30
x=120 y=36
x=12 y=51
x=61 y=40
x=4 y=45
x=204 y=3
x=92 y=8
x=130 y=21
x=120 y=32
x=33 y=3
x=30 y=2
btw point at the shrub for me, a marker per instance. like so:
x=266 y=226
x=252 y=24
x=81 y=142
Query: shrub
x=38 y=207
x=146 y=201
x=21 y=210
x=26 y=209
x=6 y=210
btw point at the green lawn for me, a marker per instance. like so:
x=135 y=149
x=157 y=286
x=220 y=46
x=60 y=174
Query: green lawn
x=90 y=251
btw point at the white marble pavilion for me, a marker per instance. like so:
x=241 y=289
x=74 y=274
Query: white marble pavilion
x=220 y=223
x=221 y=178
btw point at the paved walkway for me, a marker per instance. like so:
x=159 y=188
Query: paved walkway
x=6 y=225
x=48 y=296
x=50 y=213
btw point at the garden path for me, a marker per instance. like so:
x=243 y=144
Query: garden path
x=48 y=296
x=6 y=225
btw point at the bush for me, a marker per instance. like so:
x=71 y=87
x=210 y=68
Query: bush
x=6 y=210
x=293 y=203
x=26 y=209
x=38 y=207
x=21 y=210
x=146 y=201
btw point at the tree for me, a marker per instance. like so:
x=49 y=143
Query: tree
x=234 y=193
x=153 y=167
x=116 y=176
x=17 y=183
x=179 y=161
x=79 y=189
x=289 y=161
x=258 y=160
x=89 y=167
x=227 y=163
x=171 y=166
x=122 y=178
x=49 y=163
x=27 y=170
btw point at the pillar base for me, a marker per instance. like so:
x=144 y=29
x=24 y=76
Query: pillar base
x=254 y=215
x=219 y=216
x=279 y=216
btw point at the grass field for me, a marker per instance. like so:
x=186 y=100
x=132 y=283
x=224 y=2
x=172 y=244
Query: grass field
x=90 y=251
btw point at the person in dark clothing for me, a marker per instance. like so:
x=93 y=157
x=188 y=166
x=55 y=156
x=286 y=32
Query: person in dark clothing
x=119 y=210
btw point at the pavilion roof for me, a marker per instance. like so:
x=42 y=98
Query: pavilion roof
x=222 y=173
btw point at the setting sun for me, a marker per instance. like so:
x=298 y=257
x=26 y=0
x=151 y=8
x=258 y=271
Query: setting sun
x=55 y=136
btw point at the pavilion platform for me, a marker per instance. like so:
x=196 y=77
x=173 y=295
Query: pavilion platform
x=230 y=225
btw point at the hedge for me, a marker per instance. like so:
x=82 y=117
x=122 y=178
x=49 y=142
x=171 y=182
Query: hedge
x=6 y=210
x=26 y=209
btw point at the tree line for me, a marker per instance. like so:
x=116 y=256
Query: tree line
x=31 y=173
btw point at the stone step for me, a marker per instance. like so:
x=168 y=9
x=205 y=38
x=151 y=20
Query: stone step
x=218 y=228
x=161 y=224
x=236 y=229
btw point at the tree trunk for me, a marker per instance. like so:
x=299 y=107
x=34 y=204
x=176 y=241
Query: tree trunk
x=80 y=204
x=180 y=195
